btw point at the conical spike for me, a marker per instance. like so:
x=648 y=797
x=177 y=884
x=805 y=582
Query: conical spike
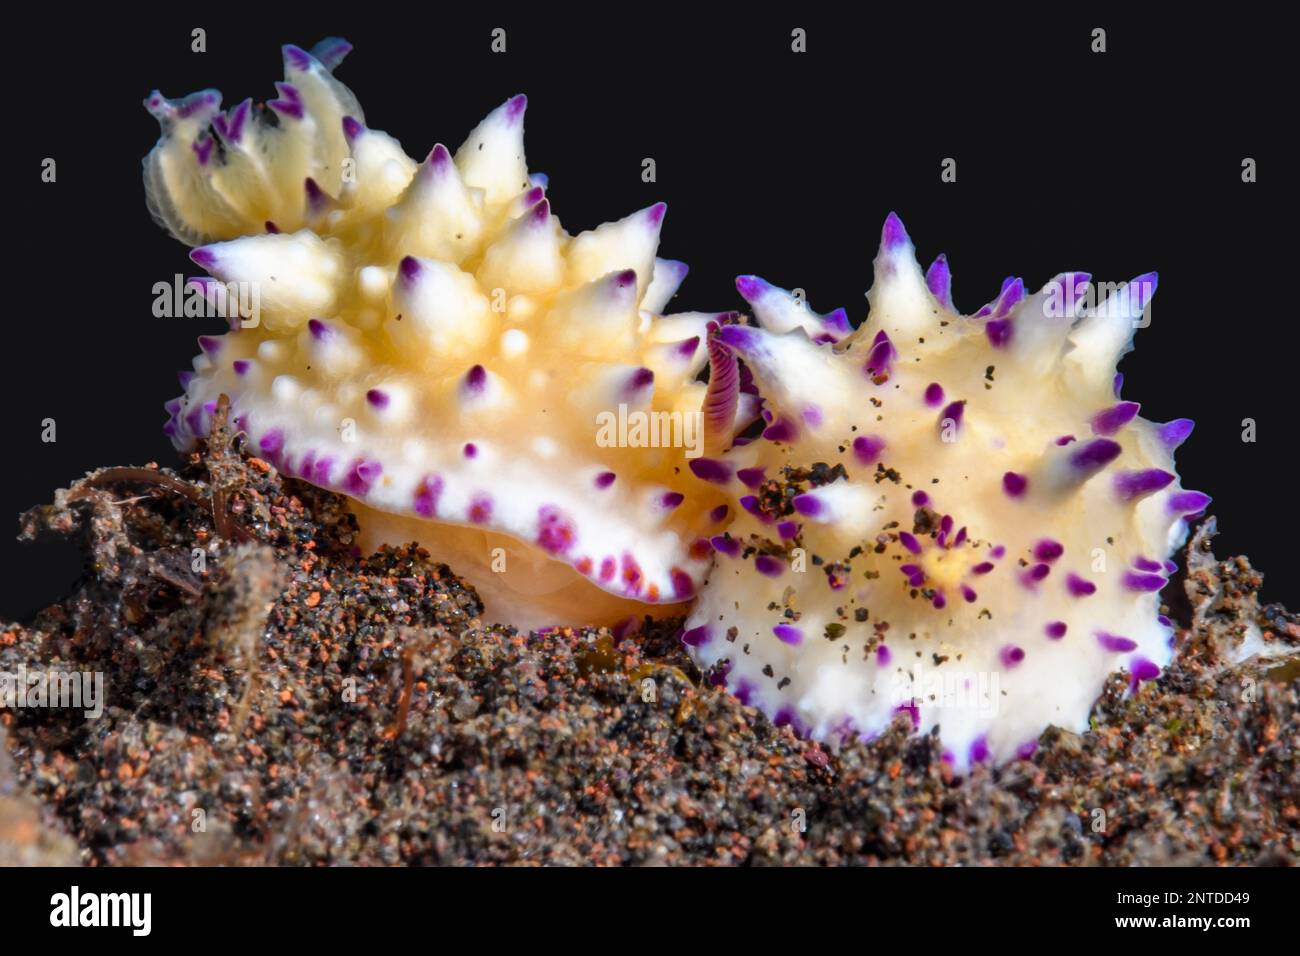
x=938 y=279
x=597 y=316
x=438 y=309
x=779 y=311
x=900 y=299
x=437 y=217
x=492 y=157
x=664 y=283
x=527 y=257
x=629 y=243
x=295 y=275
x=383 y=171
x=1106 y=332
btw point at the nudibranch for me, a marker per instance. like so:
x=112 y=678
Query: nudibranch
x=425 y=338
x=946 y=516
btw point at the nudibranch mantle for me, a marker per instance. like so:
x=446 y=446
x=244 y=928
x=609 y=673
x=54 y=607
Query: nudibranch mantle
x=949 y=517
x=429 y=341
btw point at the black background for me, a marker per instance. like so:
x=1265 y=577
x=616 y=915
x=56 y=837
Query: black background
x=772 y=163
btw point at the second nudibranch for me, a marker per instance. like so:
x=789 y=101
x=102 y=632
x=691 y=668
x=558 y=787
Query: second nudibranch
x=951 y=519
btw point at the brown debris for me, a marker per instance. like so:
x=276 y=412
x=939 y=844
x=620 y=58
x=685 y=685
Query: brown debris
x=287 y=701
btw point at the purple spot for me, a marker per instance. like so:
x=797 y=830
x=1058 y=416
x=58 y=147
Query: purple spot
x=1095 y=454
x=984 y=567
x=979 y=749
x=934 y=395
x=1117 y=385
x=655 y=214
x=476 y=379
x=209 y=343
x=1014 y=484
x=1189 y=502
x=882 y=655
x=788 y=634
x=725 y=544
x=1174 y=433
x=1026 y=750
x=606 y=478
x=671 y=499
x=322 y=470
x=1065 y=439
x=377 y=398
x=272 y=443
x=769 y=566
x=1143 y=669
x=952 y=413
x=920 y=499
x=1079 y=587
x=751 y=287
x=913 y=711
x=683 y=586
x=1112 y=419
x=697 y=636
x=319 y=330
x=1038 y=572
x=1130 y=485
x=556 y=533
x=1011 y=655
x=296 y=57
x=915 y=576
x=1048 y=550
x=1056 y=629
x=751 y=477
x=782 y=430
x=480 y=509
x=787 y=529
x=358 y=479
x=1116 y=643
x=743 y=692
x=938 y=279
x=607 y=568
x=427 y=495
x=515 y=107
x=1136 y=581
x=998 y=332
x=880 y=357
x=867 y=449
x=241 y=366
x=638 y=382
x=893 y=235
x=711 y=469
x=470 y=450
x=968 y=594
x=719 y=514
x=352 y=128
x=909 y=541
x=409 y=269
x=808 y=505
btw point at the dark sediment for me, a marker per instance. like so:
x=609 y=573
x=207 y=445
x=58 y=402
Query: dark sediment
x=288 y=702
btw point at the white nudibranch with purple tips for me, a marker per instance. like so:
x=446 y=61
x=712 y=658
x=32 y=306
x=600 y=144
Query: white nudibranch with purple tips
x=950 y=517
x=430 y=342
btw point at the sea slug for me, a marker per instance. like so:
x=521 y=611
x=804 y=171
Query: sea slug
x=425 y=338
x=951 y=517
